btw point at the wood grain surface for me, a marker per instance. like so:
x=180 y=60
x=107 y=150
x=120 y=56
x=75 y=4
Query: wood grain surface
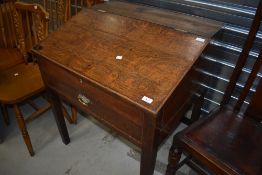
x=178 y=21
x=154 y=60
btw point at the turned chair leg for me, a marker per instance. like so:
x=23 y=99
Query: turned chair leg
x=173 y=159
x=23 y=129
x=5 y=114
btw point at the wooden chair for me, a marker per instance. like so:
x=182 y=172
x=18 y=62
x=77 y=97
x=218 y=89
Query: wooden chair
x=19 y=78
x=31 y=26
x=226 y=142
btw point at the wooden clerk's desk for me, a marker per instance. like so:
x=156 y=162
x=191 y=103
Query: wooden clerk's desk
x=130 y=74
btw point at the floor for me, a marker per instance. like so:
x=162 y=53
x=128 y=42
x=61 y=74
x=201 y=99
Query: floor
x=94 y=149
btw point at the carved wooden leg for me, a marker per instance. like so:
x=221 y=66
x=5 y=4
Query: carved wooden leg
x=149 y=146
x=5 y=114
x=74 y=114
x=173 y=159
x=23 y=129
x=58 y=114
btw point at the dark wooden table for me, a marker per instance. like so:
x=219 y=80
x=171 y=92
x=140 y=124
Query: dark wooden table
x=130 y=74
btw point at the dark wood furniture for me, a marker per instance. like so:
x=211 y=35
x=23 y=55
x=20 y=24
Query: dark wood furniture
x=226 y=142
x=127 y=73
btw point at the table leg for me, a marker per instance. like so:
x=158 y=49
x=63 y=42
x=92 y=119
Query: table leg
x=58 y=114
x=149 y=146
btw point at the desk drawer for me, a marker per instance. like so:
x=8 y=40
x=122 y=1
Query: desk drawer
x=89 y=97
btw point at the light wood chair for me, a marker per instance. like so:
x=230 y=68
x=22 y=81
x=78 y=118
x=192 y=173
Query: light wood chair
x=226 y=141
x=19 y=78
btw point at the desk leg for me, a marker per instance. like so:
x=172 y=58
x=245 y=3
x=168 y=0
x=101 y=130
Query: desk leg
x=58 y=114
x=149 y=146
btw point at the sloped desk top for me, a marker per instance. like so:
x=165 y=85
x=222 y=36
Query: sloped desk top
x=154 y=58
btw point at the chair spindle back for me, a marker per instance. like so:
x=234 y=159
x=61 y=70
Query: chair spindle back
x=31 y=24
x=7 y=28
x=241 y=62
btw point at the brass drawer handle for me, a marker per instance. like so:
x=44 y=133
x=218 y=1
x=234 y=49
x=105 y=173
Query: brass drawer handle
x=84 y=100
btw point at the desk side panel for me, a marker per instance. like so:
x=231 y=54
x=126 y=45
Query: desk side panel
x=178 y=104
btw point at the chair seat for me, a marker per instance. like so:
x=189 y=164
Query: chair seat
x=20 y=82
x=229 y=141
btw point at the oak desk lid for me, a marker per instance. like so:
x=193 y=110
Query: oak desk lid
x=188 y=23
x=154 y=58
